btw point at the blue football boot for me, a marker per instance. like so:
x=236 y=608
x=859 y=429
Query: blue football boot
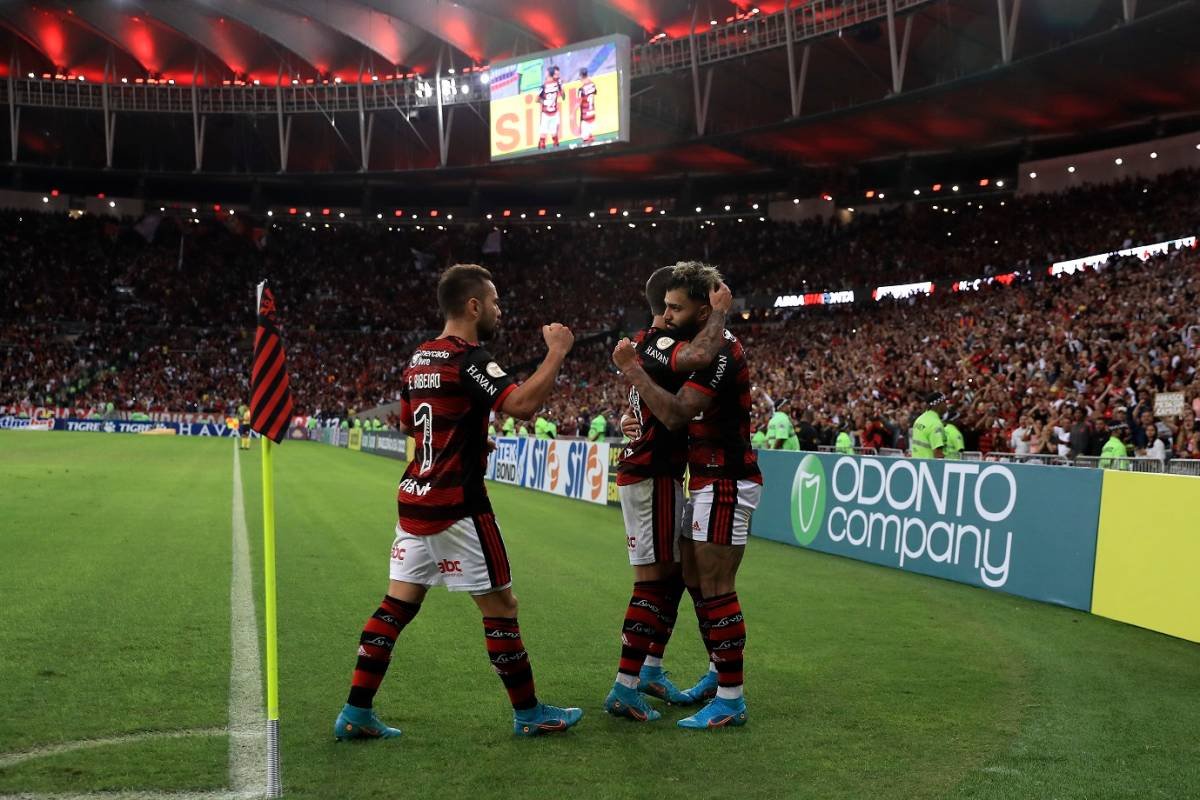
x=719 y=713
x=705 y=688
x=653 y=681
x=624 y=701
x=544 y=718
x=361 y=723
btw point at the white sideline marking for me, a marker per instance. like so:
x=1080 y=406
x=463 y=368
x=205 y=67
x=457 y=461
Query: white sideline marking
x=12 y=759
x=247 y=717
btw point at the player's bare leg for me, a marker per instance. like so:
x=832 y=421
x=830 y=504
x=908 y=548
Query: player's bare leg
x=511 y=662
x=357 y=719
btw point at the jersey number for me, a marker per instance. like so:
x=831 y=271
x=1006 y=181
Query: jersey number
x=423 y=416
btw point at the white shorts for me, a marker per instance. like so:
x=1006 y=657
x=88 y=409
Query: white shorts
x=585 y=128
x=549 y=125
x=469 y=556
x=720 y=512
x=653 y=511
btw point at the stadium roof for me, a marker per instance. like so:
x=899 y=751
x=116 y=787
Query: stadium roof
x=1077 y=67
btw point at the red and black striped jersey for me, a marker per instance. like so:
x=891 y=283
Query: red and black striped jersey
x=719 y=439
x=450 y=386
x=659 y=450
x=587 y=100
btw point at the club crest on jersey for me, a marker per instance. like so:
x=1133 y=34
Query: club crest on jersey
x=664 y=342
x=495 y=370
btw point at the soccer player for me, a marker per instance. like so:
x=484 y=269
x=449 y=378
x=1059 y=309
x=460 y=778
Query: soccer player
x=550 y=97
x=714 y=405
x=244 y=430
x=587 y=107
x=446 y=534
x=650 y=486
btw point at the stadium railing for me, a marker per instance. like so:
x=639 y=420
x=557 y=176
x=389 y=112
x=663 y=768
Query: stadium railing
x=866 y=451
x=891 y=451
x=1131 y=464
x=970 y=455
x=1029 y=458
x=1184 y=466
x=826 y=448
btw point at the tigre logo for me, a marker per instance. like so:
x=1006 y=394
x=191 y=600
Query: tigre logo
x=495 y=370
x=664 y=342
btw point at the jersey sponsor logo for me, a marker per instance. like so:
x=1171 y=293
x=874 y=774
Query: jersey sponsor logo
x=477 y=375
x=423 y=358
x=448 y=567
x=722 y=364
x=654 y=353
x=495 y=370
x=415 y=487
x=664 y=342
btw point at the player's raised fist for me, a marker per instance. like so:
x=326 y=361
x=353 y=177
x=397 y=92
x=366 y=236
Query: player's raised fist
x=558 y=337
x=720 y=298
x=624 y=355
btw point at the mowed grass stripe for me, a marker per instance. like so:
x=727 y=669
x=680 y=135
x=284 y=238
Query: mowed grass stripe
x=861 y=680
x=115 y=593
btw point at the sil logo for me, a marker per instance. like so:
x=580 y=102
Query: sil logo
x=808 y=499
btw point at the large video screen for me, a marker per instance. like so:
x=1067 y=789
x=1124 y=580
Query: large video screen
x=560 y=100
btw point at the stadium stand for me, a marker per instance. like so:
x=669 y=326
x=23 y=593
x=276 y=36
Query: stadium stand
x=103 y=311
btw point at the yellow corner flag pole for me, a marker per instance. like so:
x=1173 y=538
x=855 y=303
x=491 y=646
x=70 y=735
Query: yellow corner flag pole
x=274 y=785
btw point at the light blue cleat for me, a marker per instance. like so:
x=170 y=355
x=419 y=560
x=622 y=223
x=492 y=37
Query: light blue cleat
x=719 y=713
x=654 y=682
x=705 y=688
x=361 y=723
x=544 y=718
x=623 y=701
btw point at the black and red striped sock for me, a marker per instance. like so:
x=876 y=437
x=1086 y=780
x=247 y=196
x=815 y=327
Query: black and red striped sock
x=727 y=642
x=641 y=629
x=674 y=589
x=375 y=648
x=701 y=619
x=509 y=659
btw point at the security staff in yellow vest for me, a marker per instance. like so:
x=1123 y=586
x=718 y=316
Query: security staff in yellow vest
x=955 y=443
x=928 y=437
x=1114 y=453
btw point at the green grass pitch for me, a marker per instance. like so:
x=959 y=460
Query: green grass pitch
x=862 y=682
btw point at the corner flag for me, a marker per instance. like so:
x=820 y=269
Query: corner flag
x=270 y=412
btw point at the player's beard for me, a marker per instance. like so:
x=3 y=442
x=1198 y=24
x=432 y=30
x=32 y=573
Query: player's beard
x=486 y=329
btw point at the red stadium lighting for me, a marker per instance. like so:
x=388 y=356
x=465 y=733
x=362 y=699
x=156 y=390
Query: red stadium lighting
x=292 y=211
x=399 y=212
x=100 y=196
x=325 y=212
x=541 y=212
x=983 y=181
x=433 y=213
x=612 y=211
x=649 y=209
x=828 y=198
x=216 y=206
x=870 y=193
x=54 y=192
x=937 y=187
x=507 y=213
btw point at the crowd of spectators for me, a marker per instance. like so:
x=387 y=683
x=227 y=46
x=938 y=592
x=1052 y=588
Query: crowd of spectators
x=158 y=314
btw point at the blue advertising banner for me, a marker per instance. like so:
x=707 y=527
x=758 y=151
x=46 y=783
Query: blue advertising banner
x=133 y=426
x=1029 y=530
x=572 y=468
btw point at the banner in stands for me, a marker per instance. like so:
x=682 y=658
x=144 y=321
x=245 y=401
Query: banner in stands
x=354 y=439
x=386 y=443
x=575 y=469
x=129 y=426
x=984 y=524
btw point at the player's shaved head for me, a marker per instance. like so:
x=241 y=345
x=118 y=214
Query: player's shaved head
x=696 y=278
x=656 y=290
x=458 y=285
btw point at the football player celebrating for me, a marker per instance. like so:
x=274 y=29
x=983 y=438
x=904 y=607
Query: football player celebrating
x=725 y=485
x=587 y=107
x=446 y=534
x=650 y=486
x=550 y=98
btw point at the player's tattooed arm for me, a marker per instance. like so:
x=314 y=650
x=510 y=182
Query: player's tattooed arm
x=700 y=351
x=674 y=410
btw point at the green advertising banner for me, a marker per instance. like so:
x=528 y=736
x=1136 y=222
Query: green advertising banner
x=1029 y=530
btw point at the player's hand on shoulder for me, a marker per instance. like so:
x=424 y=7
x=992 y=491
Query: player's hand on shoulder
x=624 y=355
x=559 y=338
x=721 y=298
